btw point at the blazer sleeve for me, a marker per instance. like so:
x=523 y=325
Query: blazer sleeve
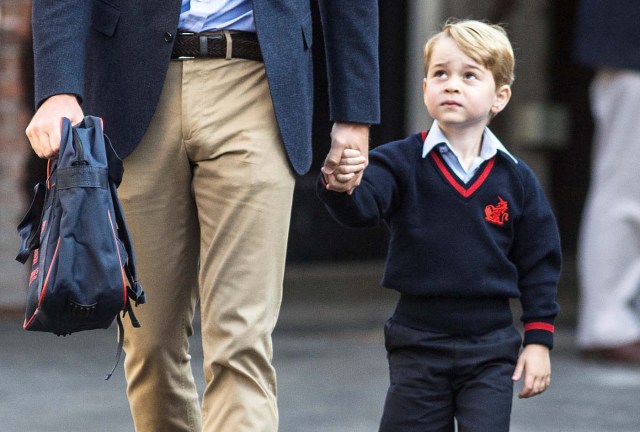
x=60 y=29
x=351 y=47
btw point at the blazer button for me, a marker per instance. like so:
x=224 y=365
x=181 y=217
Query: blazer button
x=168 y=37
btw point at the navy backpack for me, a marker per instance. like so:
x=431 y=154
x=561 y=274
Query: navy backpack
x=83 y=273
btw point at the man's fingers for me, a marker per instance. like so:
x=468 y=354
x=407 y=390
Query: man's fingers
x=44 y=129
x=357 y=161
x=45 y=140
x=53 y=137
x=332 y=160
x=351 y=153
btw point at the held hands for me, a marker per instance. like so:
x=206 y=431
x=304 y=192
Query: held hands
x=348 y=157
x=534 y=361
x=351 y=164
x=44 y=130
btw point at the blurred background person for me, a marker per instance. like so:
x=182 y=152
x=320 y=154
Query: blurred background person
x=608 y=253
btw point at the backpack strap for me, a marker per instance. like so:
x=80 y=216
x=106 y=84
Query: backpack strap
x=135 y=289
x=115 y=177
x=135 y=323
x=29 y=227
x=120 y=346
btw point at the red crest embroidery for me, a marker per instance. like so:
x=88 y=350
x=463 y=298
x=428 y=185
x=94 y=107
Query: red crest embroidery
x=497 y=214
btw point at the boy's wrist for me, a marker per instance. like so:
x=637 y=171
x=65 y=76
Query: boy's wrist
x=540 y=333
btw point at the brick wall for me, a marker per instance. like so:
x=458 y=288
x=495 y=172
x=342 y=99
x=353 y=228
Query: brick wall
x=14 y=147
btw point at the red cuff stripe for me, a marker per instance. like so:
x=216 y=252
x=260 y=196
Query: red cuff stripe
x=539 y=326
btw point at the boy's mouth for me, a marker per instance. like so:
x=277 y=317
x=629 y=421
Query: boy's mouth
x=450 y=104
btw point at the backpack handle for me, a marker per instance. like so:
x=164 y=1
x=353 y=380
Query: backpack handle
x=77 y=145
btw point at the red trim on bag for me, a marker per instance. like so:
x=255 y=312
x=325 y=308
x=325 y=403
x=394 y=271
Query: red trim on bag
x=48 y=173
x=46 y=280
x=539 y=326
x=26 y=323
x=33 y=275
x=44 y=287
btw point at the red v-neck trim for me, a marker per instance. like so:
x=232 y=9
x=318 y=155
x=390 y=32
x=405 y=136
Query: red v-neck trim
x=465 y=192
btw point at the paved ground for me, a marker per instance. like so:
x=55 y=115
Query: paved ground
x=331 y=367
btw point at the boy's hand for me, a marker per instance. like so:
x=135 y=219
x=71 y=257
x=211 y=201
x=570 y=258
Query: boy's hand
x=534 y=361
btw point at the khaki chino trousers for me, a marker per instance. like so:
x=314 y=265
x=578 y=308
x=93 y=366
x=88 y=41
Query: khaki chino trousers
x=207 y=197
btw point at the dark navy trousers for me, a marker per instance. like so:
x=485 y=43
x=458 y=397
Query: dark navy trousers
x=436 y=378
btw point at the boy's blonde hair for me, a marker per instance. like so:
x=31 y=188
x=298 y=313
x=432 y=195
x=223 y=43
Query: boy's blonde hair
x=487 y=44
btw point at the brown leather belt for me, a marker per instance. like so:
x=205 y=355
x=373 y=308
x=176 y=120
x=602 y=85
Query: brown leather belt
x=220 y=44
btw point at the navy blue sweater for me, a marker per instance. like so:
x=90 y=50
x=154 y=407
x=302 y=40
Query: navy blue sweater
x=458 y=252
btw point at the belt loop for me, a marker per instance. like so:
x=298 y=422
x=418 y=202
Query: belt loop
x=204 y=50
x=227 y=36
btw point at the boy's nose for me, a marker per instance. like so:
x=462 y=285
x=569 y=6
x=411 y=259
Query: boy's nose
x=452 y=88
x=453 y=85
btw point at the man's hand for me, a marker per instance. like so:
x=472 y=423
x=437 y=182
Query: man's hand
x=346 y=136
x=45 y=127
x=534 y=361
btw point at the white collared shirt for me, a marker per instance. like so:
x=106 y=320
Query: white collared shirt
x=202 y=15
x=489 y=148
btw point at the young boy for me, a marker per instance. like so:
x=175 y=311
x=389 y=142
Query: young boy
x=470 y=229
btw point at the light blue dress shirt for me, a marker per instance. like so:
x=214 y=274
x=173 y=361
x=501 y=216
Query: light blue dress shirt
x=489 y=148
x=201 y=15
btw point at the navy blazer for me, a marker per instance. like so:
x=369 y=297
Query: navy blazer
x=608 y=34
x=114 y=55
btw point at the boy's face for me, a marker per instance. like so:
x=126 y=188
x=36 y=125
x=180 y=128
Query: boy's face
x=458 y=91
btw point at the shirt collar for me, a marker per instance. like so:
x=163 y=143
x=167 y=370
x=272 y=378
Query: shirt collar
x=490 y=143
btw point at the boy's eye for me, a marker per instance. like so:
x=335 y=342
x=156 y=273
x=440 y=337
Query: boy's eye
x=439 y=73
x=470 y=75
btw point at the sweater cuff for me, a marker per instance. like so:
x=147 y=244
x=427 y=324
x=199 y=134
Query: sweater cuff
x=538 y=332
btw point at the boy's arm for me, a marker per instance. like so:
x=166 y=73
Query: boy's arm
x=376 y=196
x=535 y=363
x=537 y=254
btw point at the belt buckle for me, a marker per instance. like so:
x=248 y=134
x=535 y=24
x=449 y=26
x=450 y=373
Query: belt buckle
x=203 y=42
x=184 y=33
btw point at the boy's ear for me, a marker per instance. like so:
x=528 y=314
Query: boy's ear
x=424 y=91
x=503 y=94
